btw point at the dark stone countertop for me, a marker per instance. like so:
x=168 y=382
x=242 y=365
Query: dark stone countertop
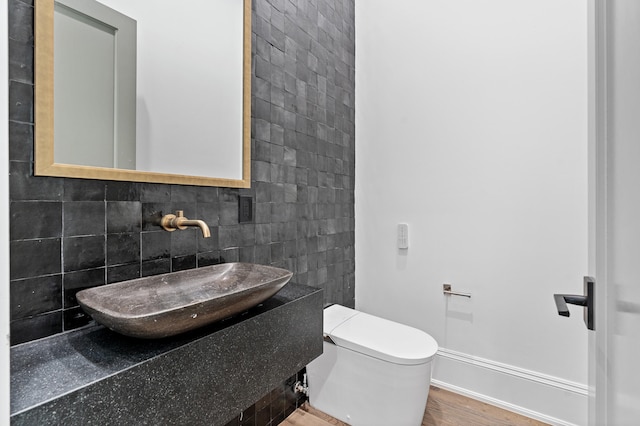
x=49 y=368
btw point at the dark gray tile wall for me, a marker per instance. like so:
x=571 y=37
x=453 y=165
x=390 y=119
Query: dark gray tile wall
x=69 y=234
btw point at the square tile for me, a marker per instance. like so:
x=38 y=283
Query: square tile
x=33 y=258
x=35 y=219
x=84 y=218
x=34 y=296
x=84 y=253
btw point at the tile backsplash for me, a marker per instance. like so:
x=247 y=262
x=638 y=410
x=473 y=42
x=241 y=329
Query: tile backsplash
x=70 y=234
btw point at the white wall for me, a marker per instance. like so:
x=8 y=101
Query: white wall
x=471 y=119
x=4 y=220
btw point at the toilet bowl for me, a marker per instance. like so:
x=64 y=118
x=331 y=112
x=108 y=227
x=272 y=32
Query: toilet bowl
x=373 y=372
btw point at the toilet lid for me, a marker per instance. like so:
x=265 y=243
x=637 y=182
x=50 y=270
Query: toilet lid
x=378 y=337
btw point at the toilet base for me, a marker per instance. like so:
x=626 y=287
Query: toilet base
x=365 y=391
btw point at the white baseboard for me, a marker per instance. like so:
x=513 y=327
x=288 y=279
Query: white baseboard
x=539 y=396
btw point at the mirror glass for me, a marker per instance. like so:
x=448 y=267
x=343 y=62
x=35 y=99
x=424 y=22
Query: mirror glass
x=144 y=90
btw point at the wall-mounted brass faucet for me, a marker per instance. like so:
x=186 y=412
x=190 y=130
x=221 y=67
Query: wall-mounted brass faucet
x=171 y=222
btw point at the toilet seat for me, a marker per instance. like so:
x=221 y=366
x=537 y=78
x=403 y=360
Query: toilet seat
x=377 y=337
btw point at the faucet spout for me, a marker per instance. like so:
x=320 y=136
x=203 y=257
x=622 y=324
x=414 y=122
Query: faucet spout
x=171 y=222
x=199 y=223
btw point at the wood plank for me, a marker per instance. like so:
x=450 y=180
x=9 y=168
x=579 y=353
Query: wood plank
x=445 y=408
x=317 y=413
x=302 y=418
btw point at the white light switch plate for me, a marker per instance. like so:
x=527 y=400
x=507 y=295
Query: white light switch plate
x=403 y=236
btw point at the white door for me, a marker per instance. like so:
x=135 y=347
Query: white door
x=614 y=353
x=94 y=85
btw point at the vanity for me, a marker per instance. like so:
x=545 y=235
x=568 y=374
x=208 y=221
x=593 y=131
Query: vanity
x=205 y=376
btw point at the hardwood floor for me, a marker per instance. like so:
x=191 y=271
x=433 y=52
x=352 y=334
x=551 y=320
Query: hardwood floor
x=444 y=408
x=309 y=416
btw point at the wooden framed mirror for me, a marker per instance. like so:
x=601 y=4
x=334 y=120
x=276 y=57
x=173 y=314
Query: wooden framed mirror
x=189 y=106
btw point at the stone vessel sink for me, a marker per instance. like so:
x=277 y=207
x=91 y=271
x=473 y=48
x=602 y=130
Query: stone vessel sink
x=169 y=304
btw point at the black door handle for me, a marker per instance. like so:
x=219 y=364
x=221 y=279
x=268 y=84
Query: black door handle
x=563 y=299
x=587 y=301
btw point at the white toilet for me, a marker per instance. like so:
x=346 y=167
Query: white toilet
x=373 y=372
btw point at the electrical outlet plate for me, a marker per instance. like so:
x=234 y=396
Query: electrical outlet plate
x=245 y=209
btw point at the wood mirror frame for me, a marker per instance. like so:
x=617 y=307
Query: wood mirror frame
x=44 y=116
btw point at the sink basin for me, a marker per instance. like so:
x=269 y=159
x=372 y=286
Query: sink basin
x=169 y=304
